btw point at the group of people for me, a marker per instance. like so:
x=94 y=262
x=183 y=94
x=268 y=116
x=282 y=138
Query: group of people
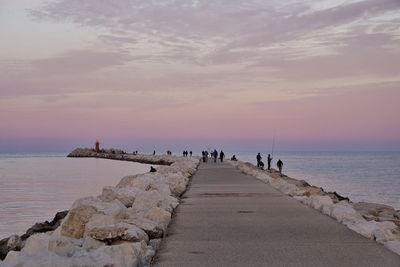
x=214 y=154
x=186 y=153
x=260 y=164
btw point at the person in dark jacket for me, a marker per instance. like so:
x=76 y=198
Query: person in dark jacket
x=221 y=156
x=280 y=166
x=259 y=158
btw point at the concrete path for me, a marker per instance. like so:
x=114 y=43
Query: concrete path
x=231 y=219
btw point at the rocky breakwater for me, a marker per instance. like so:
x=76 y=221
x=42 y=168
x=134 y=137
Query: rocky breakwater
x=121 y=227
x=117 y=154
x=375 y=221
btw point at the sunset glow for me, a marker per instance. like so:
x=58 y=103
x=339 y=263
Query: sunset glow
x=135 y=73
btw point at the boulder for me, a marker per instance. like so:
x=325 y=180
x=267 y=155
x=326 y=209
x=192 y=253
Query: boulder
x=75 y=222
x=149 y=199
x=109 y=208
x=125 y=254
x=64 y=246
x=91 y=243
x=151 y=228
x=123 y=231
x=125 y=195
x=159 y=216
x=344 y=212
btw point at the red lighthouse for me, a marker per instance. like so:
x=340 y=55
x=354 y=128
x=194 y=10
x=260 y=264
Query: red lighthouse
x=97 y=146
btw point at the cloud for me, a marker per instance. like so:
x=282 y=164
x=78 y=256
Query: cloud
x=81 y=61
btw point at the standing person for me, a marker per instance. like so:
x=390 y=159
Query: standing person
x=215 y=154
x=280 y=165
x=221 y=156
x=269 y=159
x=190 y=153
x=258 y=160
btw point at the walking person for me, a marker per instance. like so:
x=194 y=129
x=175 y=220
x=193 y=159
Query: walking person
x=280 y=166
x=258 y=160
x=215 y=155
x=221 y=156
x=269 y=160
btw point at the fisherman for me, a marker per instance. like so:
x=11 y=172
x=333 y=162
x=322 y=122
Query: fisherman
x=152 y=169
x=234 y=158
x=269 y=159
x=280 y=165
x=258 y=160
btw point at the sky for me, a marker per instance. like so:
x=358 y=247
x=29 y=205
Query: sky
x=176 y=74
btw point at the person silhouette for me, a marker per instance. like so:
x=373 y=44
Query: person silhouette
x=259 y=158
x=269 y=159
x=221 y=156
x=280 y=166
x=215 y=155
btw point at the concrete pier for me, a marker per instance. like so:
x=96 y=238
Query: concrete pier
x=231 y=219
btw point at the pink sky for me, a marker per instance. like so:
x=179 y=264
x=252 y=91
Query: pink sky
x=135 y=73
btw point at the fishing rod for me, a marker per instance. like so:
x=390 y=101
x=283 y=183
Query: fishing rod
x=273 y=146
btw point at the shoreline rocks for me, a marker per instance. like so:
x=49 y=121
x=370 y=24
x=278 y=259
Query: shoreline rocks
x=120 y=227
x=375 y=221
x=15 y=242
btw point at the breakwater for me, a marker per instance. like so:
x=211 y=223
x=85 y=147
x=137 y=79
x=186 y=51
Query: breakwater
x=123 y=226
x=375 y=221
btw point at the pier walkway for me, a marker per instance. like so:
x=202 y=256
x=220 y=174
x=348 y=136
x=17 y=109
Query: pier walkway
x=231 y=219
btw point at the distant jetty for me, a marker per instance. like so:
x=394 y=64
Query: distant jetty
x=117 y=154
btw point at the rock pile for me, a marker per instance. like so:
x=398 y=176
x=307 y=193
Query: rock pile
x=120 y=227
x=375 y=221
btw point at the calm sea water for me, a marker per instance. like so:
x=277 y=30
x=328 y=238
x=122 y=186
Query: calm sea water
x=361 y=176
x=33 y=187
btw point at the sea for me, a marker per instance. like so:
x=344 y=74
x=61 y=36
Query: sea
x=34 y=186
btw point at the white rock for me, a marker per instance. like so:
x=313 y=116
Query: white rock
x=393 y=245
x=159 y=216
x=36 y=243
x=149 y=199
x=91 y=243
x=109 y=208
x=384 y=231
x=82 y=210
x=125 y=195
x=321 y=202
x=344 y=212
x=151 y=228
x=123 y=231
x=64 y=246
x=75 y=222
